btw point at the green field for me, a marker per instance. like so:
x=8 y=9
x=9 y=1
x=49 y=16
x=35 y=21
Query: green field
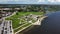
x=15 y=20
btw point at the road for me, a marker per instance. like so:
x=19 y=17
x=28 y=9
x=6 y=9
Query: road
x=6 y=27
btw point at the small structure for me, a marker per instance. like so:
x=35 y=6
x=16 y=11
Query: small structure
x=38 y=22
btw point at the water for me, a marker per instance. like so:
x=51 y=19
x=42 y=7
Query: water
x=50 y=25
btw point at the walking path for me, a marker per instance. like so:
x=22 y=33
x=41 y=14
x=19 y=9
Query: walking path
x=20 y=26
x=23 y=29
x=38 y=22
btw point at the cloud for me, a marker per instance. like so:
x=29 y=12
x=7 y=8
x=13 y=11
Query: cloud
x=41 y=0
x=51 y=0
x=54 y=1
x=58 y=0
x=30 y=1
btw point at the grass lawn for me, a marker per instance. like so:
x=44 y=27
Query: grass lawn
x=22 y=27
x=15 y=20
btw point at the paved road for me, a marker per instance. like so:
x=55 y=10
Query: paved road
x=6 y=27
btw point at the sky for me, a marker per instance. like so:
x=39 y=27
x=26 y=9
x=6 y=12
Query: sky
x=29 y=1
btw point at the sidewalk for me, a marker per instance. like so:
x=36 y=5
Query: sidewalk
x=23 y=29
